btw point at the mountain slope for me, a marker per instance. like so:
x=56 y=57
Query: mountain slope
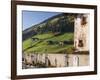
x=48 y=43
x=54 y=35
x=59 y=23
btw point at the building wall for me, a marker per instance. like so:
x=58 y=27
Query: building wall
x=59 y=60
x=81 y=33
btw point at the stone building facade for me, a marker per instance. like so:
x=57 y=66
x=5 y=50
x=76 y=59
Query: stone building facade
x=81 y=32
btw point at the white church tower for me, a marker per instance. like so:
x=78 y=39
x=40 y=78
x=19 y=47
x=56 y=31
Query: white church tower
x=81 y=32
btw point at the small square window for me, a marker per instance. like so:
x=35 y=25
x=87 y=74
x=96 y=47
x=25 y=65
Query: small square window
x=80 y=44
x=83 y=21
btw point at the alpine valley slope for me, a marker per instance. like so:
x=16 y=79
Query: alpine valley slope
x=54 y=35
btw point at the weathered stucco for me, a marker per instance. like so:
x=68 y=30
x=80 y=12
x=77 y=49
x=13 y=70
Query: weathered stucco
x=81 y=33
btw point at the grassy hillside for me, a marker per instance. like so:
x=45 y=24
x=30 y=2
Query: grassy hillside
x=54 y=35
x=42 y=45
